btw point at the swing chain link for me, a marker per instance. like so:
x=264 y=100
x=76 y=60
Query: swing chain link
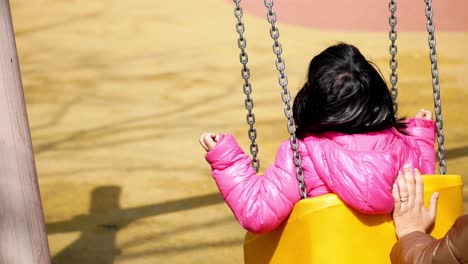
x=392 y=20
x=436 y=86
x=286 y=96
x=247 y=86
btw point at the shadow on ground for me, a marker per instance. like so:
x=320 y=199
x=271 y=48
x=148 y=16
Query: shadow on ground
x=98 y=228
x=97 y=241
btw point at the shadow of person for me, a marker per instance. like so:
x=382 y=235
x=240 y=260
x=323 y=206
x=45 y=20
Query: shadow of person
x=98 y=229
x=97 y=242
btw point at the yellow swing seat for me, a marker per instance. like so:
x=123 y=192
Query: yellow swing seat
x=324 y=230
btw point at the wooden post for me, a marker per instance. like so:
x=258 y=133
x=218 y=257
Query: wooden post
x=23 y=237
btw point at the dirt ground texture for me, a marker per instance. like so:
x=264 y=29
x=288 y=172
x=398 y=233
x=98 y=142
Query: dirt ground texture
x=118 y=93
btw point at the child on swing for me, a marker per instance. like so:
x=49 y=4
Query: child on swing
x=349 y=139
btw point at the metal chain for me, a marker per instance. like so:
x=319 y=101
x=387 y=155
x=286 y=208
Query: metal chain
x=247 y=87
x=286 y=96
x=392 y=20
x=436 y=86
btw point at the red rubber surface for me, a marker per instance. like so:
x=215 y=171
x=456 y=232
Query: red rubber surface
x=364 y=15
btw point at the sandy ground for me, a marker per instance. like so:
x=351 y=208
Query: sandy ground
x=118 y=93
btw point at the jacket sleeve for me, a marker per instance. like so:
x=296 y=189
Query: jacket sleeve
x=260 y=203
x=362 y=180
x=422 y=133
x=421 y=248
x=415 y=248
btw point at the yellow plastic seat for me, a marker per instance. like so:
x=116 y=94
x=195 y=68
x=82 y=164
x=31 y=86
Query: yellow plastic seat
x=324 y=230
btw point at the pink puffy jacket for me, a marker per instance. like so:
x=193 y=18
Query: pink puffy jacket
x=359 y=168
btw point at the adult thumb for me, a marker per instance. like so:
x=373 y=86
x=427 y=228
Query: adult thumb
x=433 y=205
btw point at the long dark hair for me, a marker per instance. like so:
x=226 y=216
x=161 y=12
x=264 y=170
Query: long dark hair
x=344 y=93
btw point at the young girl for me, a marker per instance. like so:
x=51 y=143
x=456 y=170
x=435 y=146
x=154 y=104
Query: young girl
x=350 y=143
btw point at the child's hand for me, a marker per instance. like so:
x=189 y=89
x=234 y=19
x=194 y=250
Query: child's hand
x=424 y=114
x=209 y=140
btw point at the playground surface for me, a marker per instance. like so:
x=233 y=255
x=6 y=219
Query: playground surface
x=118 y=93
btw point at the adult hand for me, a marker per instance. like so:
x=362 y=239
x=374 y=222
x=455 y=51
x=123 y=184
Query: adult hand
x=209 y=140
x=409 y=214
x=424 y=114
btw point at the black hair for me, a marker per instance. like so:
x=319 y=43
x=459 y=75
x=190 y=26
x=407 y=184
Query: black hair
x=344 y=93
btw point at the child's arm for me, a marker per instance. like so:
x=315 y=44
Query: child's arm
x=260 y=203
x=422 y=132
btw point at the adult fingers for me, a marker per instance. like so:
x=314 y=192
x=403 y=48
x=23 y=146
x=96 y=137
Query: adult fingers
x=409 y=179
x=419 y=189
x=396 y=195
x=433 y=205
x=403 y=189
